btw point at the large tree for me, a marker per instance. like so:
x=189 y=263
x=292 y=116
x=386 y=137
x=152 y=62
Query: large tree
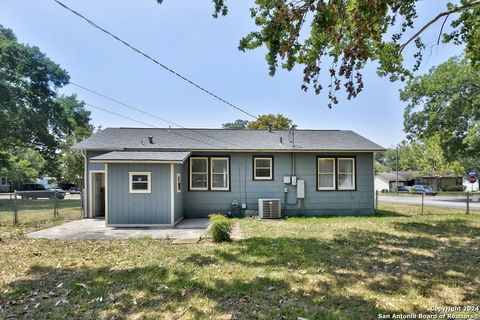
x=338 y=37
x=264 y=121
x=445 y=103
x=71 y=163
x=34 y=119
x=428 y=158
x=31 y=114
x=237 y=124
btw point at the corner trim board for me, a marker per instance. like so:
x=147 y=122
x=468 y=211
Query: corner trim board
x=172 y=194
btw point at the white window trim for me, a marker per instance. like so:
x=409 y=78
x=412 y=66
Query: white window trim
x=190 y=174
x=353 y=172
x=330 y=173
x=270 y=177
x=212 y=159
x=6 y=181
x=149 y=181
x=179 y=182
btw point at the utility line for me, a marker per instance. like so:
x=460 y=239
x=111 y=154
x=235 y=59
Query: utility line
x=120 y=115
x=142 y=111
x=149 y=114
x=93 y=24
x=145 y=123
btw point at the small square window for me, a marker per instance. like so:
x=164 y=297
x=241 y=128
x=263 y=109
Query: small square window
x=140 y=182
x=262 y=168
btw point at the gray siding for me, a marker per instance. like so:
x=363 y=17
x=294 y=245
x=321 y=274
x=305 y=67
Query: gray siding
x=245 y=190
x=141 y=208
x=179 y=195
x=94 y=165
x=155 y=208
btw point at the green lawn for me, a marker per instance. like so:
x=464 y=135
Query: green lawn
x=36 y=214
x=315 y=268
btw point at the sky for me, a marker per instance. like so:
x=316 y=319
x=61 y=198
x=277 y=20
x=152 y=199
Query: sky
x=186 y=38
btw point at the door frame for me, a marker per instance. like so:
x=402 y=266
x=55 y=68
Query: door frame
x=90 y=191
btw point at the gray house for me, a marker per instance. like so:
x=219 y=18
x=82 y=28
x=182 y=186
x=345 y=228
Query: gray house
x=156 y=177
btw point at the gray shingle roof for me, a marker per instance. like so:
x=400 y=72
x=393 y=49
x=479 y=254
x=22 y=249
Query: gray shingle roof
x=225 y=139
x=143 y=156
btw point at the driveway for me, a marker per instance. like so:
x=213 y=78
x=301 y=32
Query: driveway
x=95 y=229
x=458 y=202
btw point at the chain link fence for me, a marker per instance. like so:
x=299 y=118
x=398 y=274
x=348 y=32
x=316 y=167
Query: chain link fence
x=33 y=208
x=468 y=202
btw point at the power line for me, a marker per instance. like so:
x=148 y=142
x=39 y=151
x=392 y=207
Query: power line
x=142 y=111
x=93 y=24
x=149 y=114
x=144 y=123
x=120 y=115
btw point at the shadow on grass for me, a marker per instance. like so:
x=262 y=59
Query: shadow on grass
x=158 y=292
x=274 y=279
x=443 y=228
x=388 y=214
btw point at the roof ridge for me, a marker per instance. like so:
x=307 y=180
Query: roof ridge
x=230 y=129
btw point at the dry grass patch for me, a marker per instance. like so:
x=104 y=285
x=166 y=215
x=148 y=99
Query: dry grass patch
x=316 y=268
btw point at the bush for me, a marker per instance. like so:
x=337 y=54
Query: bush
x=220 y=227
x=457 y=187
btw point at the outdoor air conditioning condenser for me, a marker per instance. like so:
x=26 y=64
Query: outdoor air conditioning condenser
x=269 y=208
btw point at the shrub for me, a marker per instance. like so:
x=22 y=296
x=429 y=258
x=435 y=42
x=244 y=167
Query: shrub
x=457 y=187
x=220 y=227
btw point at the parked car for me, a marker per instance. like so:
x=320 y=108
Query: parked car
x=422 y=188
x=74 y=190
x=37 y=190
x=66 y=186
x=404 y=188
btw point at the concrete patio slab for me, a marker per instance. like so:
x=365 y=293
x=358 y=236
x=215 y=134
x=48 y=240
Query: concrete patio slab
x=95 y=229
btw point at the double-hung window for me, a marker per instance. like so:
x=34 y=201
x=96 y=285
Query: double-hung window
x=198 y=173
x=262 y=168
x=140 y=182
x=219 y=173
x=346 y=173
x=326 y=173
x=336 y=173
x=3 y=181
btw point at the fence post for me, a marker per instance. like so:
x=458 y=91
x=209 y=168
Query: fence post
x=376 y=200
x=55 y=205
x=468 y=202
x=423 y=195
x=82 y=209
x=15 y=210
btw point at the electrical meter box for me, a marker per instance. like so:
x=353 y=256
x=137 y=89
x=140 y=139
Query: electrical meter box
x=294 y=180
x=301 y=189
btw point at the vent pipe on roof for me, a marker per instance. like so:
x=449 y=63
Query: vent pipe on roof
x=269 y=128
x=281 y=140
x=150 y=139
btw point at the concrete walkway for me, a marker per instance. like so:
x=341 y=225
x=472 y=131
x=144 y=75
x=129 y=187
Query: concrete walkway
x=95 y=229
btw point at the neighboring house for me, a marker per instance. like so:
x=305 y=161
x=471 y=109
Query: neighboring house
x=440 y=182
x=4 y=184
x=387 y=180
x=156 y=177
